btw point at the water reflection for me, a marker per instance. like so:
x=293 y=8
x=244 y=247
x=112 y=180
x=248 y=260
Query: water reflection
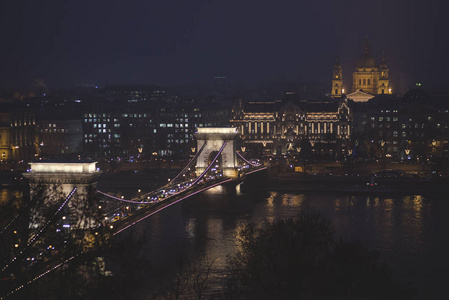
x=290 y=200
x=7 y=195
x=190 y=227
x=403 y=228
x=413 y=212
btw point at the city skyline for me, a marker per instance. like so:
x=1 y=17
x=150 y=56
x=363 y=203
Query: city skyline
x=64 y=43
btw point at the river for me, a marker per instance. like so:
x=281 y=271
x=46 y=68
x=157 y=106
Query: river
x=409 y=230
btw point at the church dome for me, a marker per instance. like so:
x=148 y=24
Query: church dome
x=366 y=60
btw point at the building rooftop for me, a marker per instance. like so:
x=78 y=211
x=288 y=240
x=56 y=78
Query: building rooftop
x=63 y=167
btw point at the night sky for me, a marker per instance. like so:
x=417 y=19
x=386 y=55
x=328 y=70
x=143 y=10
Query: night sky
x=66 y=42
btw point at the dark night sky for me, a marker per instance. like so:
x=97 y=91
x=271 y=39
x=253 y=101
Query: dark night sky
x=68 y=42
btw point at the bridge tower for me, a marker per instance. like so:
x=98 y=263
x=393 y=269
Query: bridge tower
x=56 y=180
x=215 y=137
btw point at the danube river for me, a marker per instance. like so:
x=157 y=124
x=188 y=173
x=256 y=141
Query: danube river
x=409 y=230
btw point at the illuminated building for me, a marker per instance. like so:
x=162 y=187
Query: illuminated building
x=368 y=78
x=337 y=80
x=134 y=130
x=415 y=126
x=18 y=135
x=278 y=127
x=59 y=134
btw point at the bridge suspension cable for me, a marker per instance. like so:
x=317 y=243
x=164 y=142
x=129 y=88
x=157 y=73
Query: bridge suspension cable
x=39 y=276
x=38 y=194
x=36 y=236
x=210 y=165
x=245 y=160
x=170 y=204
x=121 y=199
x=135 y=201
x=187 y=166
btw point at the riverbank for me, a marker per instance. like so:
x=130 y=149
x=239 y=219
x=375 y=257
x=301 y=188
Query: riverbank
x=298 y=182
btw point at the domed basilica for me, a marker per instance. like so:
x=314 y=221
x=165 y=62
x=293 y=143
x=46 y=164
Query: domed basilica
x=368 y=78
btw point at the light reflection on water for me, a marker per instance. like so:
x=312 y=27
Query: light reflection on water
x=409 y=230
x=400 y=227
x=8 y=194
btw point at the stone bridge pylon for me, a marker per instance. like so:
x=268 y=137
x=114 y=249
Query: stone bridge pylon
x=215 y=137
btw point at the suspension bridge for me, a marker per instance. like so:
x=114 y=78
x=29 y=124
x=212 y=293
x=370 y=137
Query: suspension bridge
x=216 y=162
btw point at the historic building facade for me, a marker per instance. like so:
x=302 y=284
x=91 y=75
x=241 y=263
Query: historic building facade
x=279 y=127
x=368 y=78
x=18 y=135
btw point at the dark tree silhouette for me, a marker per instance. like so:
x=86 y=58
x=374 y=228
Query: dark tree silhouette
x=295 y=258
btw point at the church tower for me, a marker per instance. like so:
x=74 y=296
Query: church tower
x=337 y=80
x=384 y=86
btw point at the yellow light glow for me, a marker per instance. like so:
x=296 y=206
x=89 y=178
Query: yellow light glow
x=217 y=130
x=45 y=167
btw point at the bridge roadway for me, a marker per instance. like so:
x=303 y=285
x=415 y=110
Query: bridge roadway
x=150 y=209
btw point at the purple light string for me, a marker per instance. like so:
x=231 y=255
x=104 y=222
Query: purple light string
x=256 y=170
x=40 y=231
x=15 y=218
x=168 y=205
x=245 y=160
x=120 y=199
x=39 y=276
x=143 y=202
x=210 y=165
x=188 y=165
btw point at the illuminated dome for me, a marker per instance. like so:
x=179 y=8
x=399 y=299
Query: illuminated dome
x=366 y=60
